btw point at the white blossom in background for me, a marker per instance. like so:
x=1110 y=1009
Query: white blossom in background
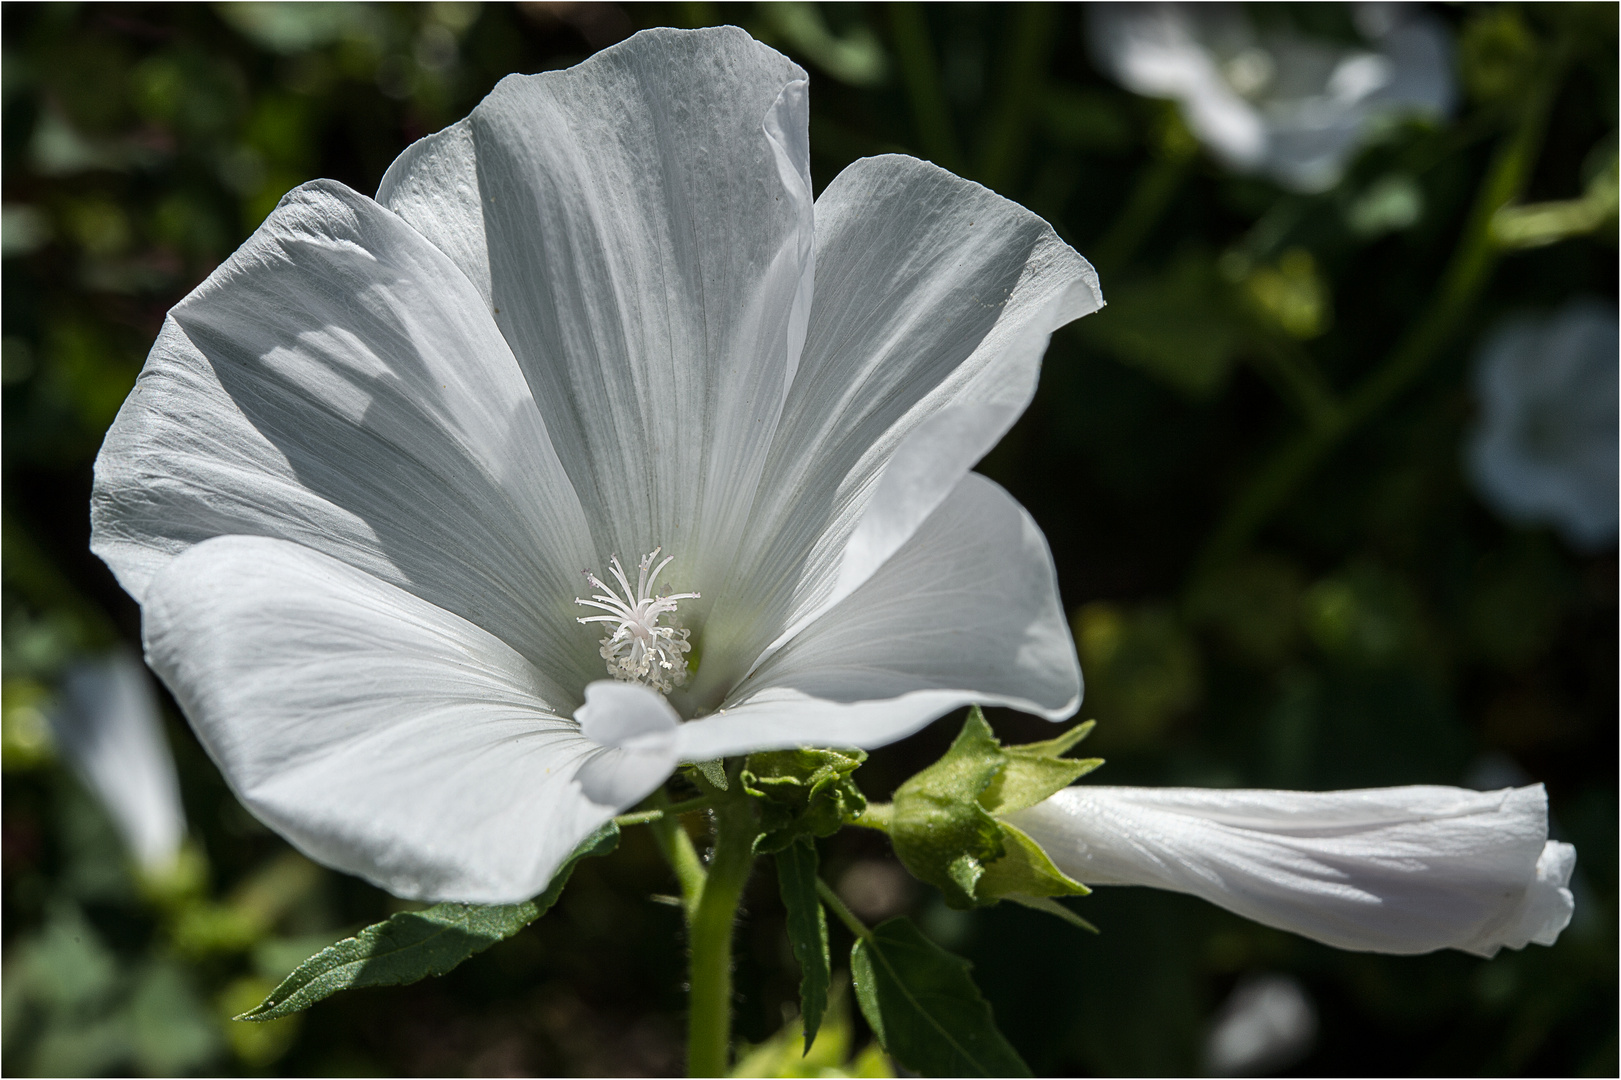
x=372 y=484
x=1393 y=870
x=1267 y=1024
x=1272 y=100
x=107 y=724
x=1546 y=447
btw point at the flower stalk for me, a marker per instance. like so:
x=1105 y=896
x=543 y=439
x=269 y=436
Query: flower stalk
x=709 y=931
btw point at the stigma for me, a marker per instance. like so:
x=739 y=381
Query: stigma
x=636 y=647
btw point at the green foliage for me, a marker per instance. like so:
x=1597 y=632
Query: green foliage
x=943 y=824
x=784 y=1053
x=1143 y=669
x=417 y=944
x=142 y=144
x=924 y=1007
x=1180 y=326
x=807 y=931
x=802 y=793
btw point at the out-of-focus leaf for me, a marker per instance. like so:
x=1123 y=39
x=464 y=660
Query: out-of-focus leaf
x=924 y=1007
x=783 y=1054
x=1253 y=606
x=856 y=58
x=1292 y=294
x=1182 y=326
x=1142 y=669
x=417 y=944
x=807 y=931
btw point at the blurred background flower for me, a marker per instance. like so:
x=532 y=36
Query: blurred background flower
x=1248 y=466
x=1544 y=451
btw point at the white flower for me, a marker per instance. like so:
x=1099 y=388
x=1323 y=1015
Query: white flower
x=108 y=726
x=1545 y=451
x=368 y=460
x=1273 y=101
x=1392 y=870
x=1266 y=1025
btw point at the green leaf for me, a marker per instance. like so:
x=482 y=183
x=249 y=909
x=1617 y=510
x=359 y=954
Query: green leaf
x=807 y=931
x=802 y=793
x=416 y=944
x=939 y=829
x=924 y=1007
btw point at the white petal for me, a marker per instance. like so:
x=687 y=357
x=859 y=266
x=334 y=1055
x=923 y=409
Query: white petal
x=637 y=729
x=1394 y=870
x=966 y=611
x=378 y=733
x=641 y=225
x=935 y=299
x=108 y=726
x=337 y=382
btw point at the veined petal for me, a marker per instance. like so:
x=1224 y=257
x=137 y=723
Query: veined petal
x=378 y=733
x=110 y=730
x=935 y=299
x=641 y=227
x=338 y=382
x=637 y=729
x=1394 y=870
x=966 y=611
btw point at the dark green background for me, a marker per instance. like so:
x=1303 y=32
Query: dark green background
x=1383 y=628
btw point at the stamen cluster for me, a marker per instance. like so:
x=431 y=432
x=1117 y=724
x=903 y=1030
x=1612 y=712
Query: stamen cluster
x=638 y=649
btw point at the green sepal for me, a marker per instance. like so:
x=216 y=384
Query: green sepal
x=712 y=771
x=1025 y=870
x=802 y=794
x=1053 y=907
x=414 y=945
x=940 y=831
x=924 y=1007
x=945 y=823
x=1036 y=771
x=807 y=931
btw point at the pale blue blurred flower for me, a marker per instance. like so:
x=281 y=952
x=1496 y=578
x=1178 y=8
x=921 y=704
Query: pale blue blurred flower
x=1545 y=450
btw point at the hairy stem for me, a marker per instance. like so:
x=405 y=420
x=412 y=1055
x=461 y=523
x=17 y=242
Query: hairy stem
x=709 y=1019
x=676 y=847
x=648 y=817
x=836 y=906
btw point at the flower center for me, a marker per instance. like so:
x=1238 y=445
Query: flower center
x=637 y=648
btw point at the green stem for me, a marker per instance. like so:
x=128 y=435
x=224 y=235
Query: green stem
x=1156 y=185
x=1465 y=277
x=1295 y=376
x=1023 y=68
x=676 y=846
x=845 y=915
x=921 y=73
x=648 y=817
x=875 y=816
x=709 y=1019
